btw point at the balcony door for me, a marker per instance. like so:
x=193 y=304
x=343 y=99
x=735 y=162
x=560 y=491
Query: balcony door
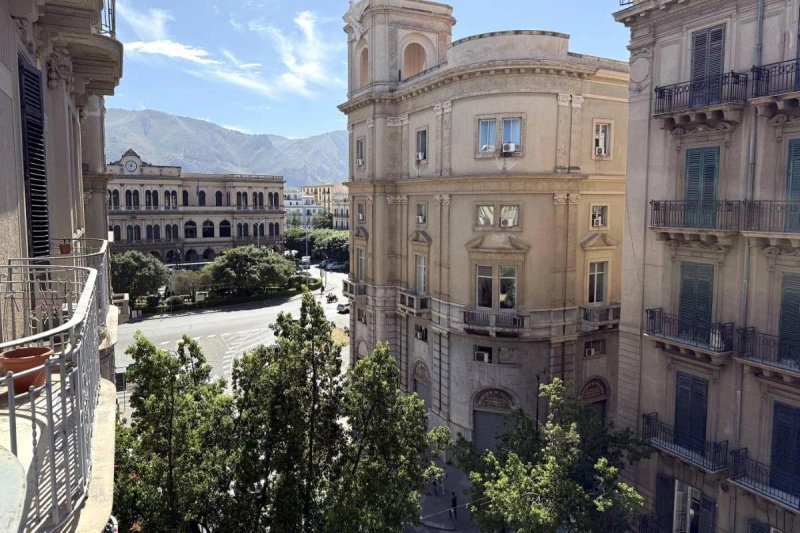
x=694 y=310
x=691 y=407
x=785 y=459
x=702 y=175
x=790 y=320
x=708 y=57
x=792 y=210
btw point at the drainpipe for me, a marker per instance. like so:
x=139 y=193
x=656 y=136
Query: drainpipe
x=749 y=194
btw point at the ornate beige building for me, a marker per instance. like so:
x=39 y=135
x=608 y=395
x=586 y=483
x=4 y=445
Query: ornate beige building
x=58 y=60
x=709 y=360
x=325 y=193
x=180 y=217
x=487 y=182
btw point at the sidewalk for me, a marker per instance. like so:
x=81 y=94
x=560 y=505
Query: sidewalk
x=436 y=505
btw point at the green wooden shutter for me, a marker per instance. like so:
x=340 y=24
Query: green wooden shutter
x=687 y=304
x=790 y=320
x=683 y=407
x=665 y=502
x=698 y=410
x=34 y=160
x=757 y=527
x=702 y=174
x=705 y=293
x=716 y=50
x=708 y=515
x=784 y=443
x=699 y=54
x=793 y=192
x=709 y=194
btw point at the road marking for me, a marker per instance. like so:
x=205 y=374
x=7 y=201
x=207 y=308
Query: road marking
x=211 y=336
x=164 y=343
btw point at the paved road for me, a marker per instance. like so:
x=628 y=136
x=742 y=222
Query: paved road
x=225 y=333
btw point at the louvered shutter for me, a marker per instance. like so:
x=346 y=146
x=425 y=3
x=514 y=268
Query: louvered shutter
x=708 y=58
x=683 y=406
x=708 y=197
x=693 y=186
x=708 y=515
x=793 y=192
x=716 y=51
x=783 y=446
x=699 y=54
x=665 y=501
x=34 y=160
x=698 y=409
x=757 y=527
x=790 y=319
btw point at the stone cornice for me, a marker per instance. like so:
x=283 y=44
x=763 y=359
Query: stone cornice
x=566 y=69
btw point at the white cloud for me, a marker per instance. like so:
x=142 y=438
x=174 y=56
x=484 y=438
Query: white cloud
x=150 y=26
x=173 y=50
x=239 y=64
x=238 y=129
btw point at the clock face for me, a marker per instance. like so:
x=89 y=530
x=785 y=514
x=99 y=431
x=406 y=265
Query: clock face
x=131 y=166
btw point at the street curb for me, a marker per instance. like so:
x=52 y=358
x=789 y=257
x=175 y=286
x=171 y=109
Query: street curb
x=440 y=527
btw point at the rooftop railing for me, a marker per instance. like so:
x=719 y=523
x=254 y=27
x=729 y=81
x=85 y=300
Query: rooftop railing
x=712 y=456
x=782 y=487
x=776 y=78
x=772 y=217
x=49 y=424
x=729 y=87
x=720 y=215
x=711 y=336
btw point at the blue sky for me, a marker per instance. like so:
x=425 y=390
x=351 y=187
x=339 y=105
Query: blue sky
x=279 y=66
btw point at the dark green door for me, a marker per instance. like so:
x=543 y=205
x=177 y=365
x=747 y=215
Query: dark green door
x=708 y=55
x=694 y=311
x=792 y=206
x=702 y=174
x=789 y=351
x=691 y=401
x=785 y=458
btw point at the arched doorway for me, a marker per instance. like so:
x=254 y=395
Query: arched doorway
x=422 y=383
x=362 y=352
x=156 y=255
x=414 y=60
x=191 y=256
x=209 y=254
x=170 y=256
x=595 y=394
x=489 y=420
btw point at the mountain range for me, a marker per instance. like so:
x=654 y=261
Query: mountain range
x=204 y=147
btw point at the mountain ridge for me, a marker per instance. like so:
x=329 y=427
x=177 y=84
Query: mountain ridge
x=199 y=146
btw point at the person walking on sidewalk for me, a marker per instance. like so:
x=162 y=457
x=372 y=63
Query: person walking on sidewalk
x=443 y=480
x=454 y=507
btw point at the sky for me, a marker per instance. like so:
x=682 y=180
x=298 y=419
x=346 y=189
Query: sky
x=280 y=66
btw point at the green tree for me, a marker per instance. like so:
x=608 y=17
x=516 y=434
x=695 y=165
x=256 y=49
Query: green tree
x=331 y=244
x=172 y=456
x=189 y=281
x=249 y=269
x=138 y=274
x=323 y=220
x=295 y=239
x=564 y=477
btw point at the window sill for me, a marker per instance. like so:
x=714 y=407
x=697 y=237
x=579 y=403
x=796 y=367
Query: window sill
x=497 y=228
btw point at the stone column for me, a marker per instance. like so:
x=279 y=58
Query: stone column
x=444 y=133
x=562 y=133
x=559 y=250
x=577 y=140
x=441 y=374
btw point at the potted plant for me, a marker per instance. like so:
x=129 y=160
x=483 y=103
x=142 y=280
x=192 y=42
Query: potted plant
x=19 y=360
x=65 y=248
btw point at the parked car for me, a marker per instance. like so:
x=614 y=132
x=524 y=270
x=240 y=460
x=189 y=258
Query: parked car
x=336 y=265
x=324 y=264
x=343 y=308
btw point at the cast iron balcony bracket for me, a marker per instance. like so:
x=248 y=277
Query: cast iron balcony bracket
x=691 y=338
x=708 y=455
x=757 y=478
x=726 y=88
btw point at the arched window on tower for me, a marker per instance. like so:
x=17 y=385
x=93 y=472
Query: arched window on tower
x=414 y=60
x=201 y=198
x=363 y=68
x=136 y=199
x=208 y=229
x=190 y=230
x=155 y=199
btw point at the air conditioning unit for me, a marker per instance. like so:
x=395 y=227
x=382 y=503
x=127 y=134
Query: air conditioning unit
x=509 y=148
x=507 y=223
x=597 y=221
x=360 y=162
x=421 y=156
x=589 y=352
x=600 y=151
x=420 y=219
x=482 y=356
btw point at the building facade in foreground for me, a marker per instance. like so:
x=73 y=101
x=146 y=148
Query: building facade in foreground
x=487 y=181
x=709 y=360
x=58 y=60
x=301 y=208
x=182 y=217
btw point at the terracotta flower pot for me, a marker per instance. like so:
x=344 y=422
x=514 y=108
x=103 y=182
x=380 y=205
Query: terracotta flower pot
x=21 y=359
x=65 y=248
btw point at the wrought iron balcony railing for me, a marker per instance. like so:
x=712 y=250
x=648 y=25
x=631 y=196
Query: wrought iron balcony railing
x=722 y=215
x=776 y=78
x=710 y=336
x=726 y=88
x=769 y=350
x=48 y=424
x=782 y=487
x=648 y=524
x=601 y=315
x=108 y=19
x=772 y=217
x=712 y=456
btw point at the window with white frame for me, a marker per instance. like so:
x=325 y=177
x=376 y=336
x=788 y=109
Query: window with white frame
x=508 y=287
x=422 y=213
x=597 y=282
x=361 y=212
x=594 y=347
x=487 y=135
x=361 y=152
x=422 y=145
x=509 y=216
x=602 y=139
x=485 y=216
x=512 y=132
x=599 y=216
x=420 y=267
x=421 y=333
x=484 y=282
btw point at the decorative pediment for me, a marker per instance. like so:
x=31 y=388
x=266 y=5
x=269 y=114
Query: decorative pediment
x=421 y=237
x=599 y=241
x=497 y=243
